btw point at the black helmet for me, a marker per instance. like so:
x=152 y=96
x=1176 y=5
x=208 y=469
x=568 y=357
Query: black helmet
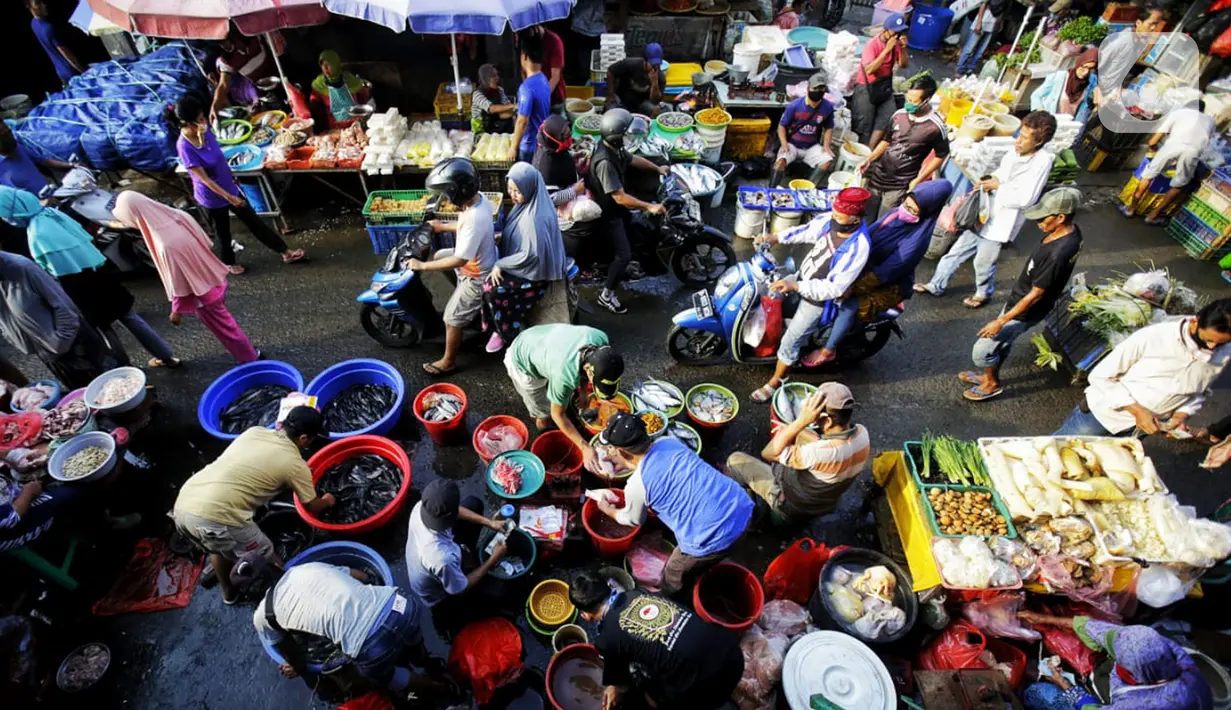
x=456 y=178
x=615 y=125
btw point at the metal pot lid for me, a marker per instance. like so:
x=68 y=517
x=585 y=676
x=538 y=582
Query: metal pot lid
x=839 y=667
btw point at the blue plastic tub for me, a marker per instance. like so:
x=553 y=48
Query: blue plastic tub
x=51 y=402
x=235 y=382
x=255 y=197
x=342 y=554
x=928 y=26
x=814 y=38
x=332 y=381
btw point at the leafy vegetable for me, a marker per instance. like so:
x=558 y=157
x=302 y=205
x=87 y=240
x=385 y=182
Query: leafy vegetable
x=1019 y=57
x=1045 y=357
x=1083 y=31
x=960 y=461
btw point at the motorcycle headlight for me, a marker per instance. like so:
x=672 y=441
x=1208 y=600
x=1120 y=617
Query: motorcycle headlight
x=378 y=286
x=729 y=278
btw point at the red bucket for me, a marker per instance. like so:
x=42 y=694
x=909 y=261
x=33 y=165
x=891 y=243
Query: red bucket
x=558 y=453
x=583 y=652
x=729 y=595
x=492 y=423
x=442 y=432
x=606 y=546
x=350 y=447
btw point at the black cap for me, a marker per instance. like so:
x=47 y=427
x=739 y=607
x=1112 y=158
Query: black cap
x=608 y=369
x=303 y=420
x=624 y=430
x=248 y=568
x=441 y=500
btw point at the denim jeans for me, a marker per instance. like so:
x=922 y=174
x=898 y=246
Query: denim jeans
x=396 y=630
x=848 y=309
x=1080 y=423
x=985 y=252
x=992 y=352
x=974 y=47
x=803 y=324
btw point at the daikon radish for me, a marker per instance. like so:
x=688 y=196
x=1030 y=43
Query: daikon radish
x=1115 y=458
x=1074 y=468
x=1002 y=479
x=1051 y=455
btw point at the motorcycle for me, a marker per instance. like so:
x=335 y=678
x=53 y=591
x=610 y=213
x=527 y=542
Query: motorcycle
x=80 y=197
x=715 y=324
x=678 y=240
x=397 y=309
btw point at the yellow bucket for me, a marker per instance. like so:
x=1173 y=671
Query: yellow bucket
x=991 y=108
x=957 y=111
x=945 y=102
x=801 y=185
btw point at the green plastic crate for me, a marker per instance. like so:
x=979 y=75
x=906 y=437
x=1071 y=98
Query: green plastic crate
x=394 y=217
x=1210 y=216
x=1195 y=244
x=999 y=504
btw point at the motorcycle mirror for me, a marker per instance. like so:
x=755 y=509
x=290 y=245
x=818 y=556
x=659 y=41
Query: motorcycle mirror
x=47 y=192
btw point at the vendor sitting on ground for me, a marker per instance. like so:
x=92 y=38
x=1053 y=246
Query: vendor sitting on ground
x=804 y=133
x=683 y=660
x=706 y=511
x=373 y=626
x=1187 y=130
x=490 y=108
x=637 y=83
x=1151 y=670
x=829 y=269
x=337 y=90
x=215 y=506
x=807 y=473
x=555 y=365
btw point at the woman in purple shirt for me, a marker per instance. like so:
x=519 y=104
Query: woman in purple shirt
x=214 y=188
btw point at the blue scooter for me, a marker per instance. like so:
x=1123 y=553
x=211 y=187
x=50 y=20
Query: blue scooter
x=715 y=324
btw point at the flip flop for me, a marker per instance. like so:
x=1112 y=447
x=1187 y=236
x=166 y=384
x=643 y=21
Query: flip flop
x=297 y=256
x=764 y=394
x=976 y=394
x=974 y=302
x=159 y=362
x=970 y=377
x=1124 y=210
x=1156 y=222
x=928 y=289
x=816 y=358
x=236 y=270
x=431 y=369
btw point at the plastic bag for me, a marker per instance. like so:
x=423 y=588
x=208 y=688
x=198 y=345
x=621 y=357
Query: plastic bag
x=1151 y=286
x=881 y=623
x=647 y=561
x=499 y=439
x=783 y=616
x=754 y=328
x=967 y=216
x=374 y=700
x=1018 y=554
x=847 y=604
x=1158 y=587
x=1056 y=571
x=153 y=580
x=998 y=616
x=1221 y=47
x=488 y=654
x=763 y=657
x=1066 y=644
x=774 y=327
x=956 y=648
x=795 y=573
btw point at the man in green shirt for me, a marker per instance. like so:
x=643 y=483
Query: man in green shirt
x=553 y=365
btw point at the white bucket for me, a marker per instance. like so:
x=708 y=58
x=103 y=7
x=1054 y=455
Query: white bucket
x=712 y=135
x=849 y=160
x=749 y=223
x=747 y=56
x=711 y=154
x=839 y=179
x=785 y=220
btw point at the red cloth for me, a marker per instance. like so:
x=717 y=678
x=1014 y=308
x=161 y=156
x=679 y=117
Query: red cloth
x=154 y=580
x=850 y=201
x=553 y=58
x=870 y=52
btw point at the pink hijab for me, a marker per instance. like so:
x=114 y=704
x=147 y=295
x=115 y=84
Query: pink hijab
x=181 y=249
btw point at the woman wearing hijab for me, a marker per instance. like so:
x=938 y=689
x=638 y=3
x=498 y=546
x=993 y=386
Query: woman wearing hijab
x=338 y=90
x=531 y=257
x=490 y=108
x=63 y=249
x=1151 y=670
x=1073 y=91
x=195 y=279
x=898 y=243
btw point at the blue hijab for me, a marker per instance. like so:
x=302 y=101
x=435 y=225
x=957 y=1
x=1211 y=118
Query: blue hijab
x=898 y=246
x=532 y=247
x=57 y=243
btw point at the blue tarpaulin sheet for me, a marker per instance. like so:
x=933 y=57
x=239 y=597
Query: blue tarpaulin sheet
x=111 y=116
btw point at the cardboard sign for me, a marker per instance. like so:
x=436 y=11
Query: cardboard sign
x=682 y=38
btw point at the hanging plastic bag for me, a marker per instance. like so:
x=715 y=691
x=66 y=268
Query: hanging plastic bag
x=958 y=647
x=774 y=327
x=1222 y=46
x=488 y=654
x=966 y=217
x=1158 y=587
x=795 y=573
x=998 y=617
x=754 y=329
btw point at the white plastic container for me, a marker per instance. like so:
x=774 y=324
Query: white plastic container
x=92 y=391
x=55 y=465
x=850 y=160
x=785 y=220
x=839 y=179
x=747 y=57
x=749 y=223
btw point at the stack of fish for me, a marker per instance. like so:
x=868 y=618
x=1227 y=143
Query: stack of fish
x=789 y=400
x=700 y=179
x=712 y=406
x=657 y=395
x=257 y=406
x=438 y=407
x=686 y=436
x=358 y=407
x=362 y=485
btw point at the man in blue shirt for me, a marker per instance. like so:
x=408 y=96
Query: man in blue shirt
x=533 y=100
x=62 y=57
x=805 y=132
x=705 y=510
x=17 y=168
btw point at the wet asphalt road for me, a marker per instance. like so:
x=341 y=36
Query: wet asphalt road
x=207 y=655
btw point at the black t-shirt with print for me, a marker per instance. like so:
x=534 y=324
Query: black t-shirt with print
x=679 y=652
x=1050 y=267
x=911 y=139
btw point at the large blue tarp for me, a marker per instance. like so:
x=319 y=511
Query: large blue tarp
x=112 y=115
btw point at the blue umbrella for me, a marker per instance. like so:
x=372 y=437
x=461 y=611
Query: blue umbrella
x=487 y=17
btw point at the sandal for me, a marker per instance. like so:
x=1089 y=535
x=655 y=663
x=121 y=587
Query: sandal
x=974 y=302
x=928 y=289
x=1127 y=211
x=159 y=362
x=976 y=394
x=236 y=269
x=1156 y=221
x=970 y=377
x=816 y=358
x=294 y=257
x=764 y=394
x=431 y=369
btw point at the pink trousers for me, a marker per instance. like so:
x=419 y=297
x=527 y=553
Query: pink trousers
x=211 y=310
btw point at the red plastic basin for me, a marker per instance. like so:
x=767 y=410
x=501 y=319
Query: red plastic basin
x=729 y=595
x=339 y=451
x=557 y=451
x=445 y=432
x=492 y=423
x=606 y=546
x=577 y=652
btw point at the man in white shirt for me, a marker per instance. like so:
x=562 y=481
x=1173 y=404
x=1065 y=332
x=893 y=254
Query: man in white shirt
x=1016 y=185
x=1188 y=131
x=1157 y=377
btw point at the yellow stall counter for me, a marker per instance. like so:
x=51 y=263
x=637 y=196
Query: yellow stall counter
x=906 y=502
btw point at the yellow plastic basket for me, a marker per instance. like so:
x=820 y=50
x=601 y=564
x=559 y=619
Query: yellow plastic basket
x=549 y=602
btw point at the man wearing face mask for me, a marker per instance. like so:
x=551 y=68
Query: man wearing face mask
x=706 y=511
x=829 y=269
x=804 y=133
x=917 y=146
x=1015 y=185
x=1040 y=285
x=1157 y=378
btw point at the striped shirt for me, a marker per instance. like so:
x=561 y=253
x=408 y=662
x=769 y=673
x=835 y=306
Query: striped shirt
x=849 y=258
x=479 y=103
x=10 y=519
x=833 y=458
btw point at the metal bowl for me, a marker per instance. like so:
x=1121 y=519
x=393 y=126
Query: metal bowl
x=361 y=111
x=268 y=83
x=737 y=75
x=96 y=649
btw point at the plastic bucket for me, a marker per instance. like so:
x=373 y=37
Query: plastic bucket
x=606 y=546
x=785 y=220
x=840 y=179
x=568 y=635
x=712 y=136
x=958 y=109
x=928 y=25
x=576 y=108
x=520 y=544
x=492 y=423
x=339 y=451
x=1005 y=124
x=564 y=661
x=234 y=382
x=333 y=380
x=71 y=396
x=730 y=596
x=747 y=57
x=823 y=614
x=558 y=452
x=975 y=126
x=255 y=197
x=852 y=155
x=698 y=389
x=627 y=406
x=94 y=390
x=749 y=222
x=991 y=108
x=51 y=401
x=801 y=185
x=447 y=431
